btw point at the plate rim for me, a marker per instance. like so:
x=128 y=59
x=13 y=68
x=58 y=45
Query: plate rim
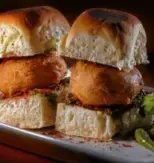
x=71 y=146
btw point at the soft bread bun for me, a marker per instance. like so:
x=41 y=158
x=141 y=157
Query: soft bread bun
x=31 y=112
x=74 y=120
x=108 y=37
x=30 y=31
x=23 y=73
x=95 y=84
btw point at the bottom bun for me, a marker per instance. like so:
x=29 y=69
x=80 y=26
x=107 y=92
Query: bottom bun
x=32 y=112
x=79 y=121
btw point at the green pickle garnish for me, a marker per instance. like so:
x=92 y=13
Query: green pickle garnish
x=144 y=139
x=148 y=104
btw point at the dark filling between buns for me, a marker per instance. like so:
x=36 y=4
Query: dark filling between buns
x=65 y=96
x=117 y=110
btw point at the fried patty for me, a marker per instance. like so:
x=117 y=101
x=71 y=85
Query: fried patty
x=25 y=73
x=95 y=84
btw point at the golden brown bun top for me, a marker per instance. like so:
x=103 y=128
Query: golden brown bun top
x=111 y=16
x=94 y=84
x=110 y=19
x=30 y=18
x=108 y=37
x=31 y=31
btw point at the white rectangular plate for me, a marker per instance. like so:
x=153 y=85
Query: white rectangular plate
x=41 y=141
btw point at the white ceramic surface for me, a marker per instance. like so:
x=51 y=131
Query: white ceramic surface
x=116 y=152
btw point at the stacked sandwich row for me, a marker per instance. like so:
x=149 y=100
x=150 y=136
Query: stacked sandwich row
x=29 y=65
x=103 y=95
x=105 y=85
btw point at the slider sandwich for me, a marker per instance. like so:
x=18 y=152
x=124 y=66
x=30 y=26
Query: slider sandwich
x=30 y=65
x=105 y=93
